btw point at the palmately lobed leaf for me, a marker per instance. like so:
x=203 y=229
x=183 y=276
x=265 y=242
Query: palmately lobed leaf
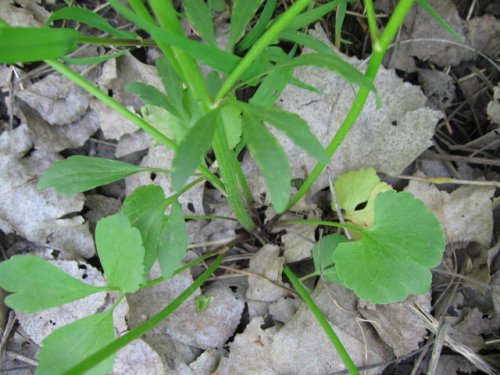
x=38 y=285
x=120 y=250
x=173 y=242
x=392 y=258
x=145 y=208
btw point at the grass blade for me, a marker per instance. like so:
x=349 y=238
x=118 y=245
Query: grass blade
x=432 y=12
x=308 y=17
x=323 y=321
x=93 y=60
x=271 y=160
x=29 y=44
x=90 y=18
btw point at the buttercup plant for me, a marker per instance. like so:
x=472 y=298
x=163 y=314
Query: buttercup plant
x=391 y=253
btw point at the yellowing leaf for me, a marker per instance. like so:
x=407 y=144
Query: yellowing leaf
x=358 y=188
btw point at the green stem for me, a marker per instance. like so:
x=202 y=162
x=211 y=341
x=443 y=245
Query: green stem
x=323 y=322
x=124 y=111
x=228 y=166
x=379 y=50
x=372 y=20
x=167 y=18
x=143 y=328
x=116 y=41
x=325 y=223
x=267 y=38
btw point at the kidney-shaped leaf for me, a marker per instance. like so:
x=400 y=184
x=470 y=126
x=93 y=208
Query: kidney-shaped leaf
x=81 y=173
x=72 y=343
x=392 y=258
x=120 y=250
x=37 y=285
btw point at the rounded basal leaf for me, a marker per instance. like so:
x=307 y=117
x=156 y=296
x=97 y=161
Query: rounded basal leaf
x=358 y=189
x=392 y=258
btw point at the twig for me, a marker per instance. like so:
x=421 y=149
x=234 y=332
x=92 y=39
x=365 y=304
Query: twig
x=433 y=325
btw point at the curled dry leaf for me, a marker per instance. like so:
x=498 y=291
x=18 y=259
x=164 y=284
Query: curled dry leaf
x=397 y=324
x=250 y=352
x=301 y=346
x=268 y=263
x=466 y=214
x=57 y=100
x=38 y=215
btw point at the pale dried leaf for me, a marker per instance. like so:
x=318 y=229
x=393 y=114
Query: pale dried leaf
x=283 y=309
x=268 y=263
x=38 y=215
x=483 y=34
x=130 y=143
x=421 y=25
x=207 y=362
x=302 y=347
x=398 y=325
x=466 y=215
x=16 y=16
x=138 y=358
x=299 y=238
x=250 y=352
x=209 y=328
x=470 y=330
x=57 y=100
x=58 y=138
x=438 y=87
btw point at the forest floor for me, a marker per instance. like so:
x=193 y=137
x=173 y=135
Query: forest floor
x=440 y=118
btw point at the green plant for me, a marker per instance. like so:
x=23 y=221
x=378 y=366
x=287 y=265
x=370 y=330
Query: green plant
x=204 y=113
